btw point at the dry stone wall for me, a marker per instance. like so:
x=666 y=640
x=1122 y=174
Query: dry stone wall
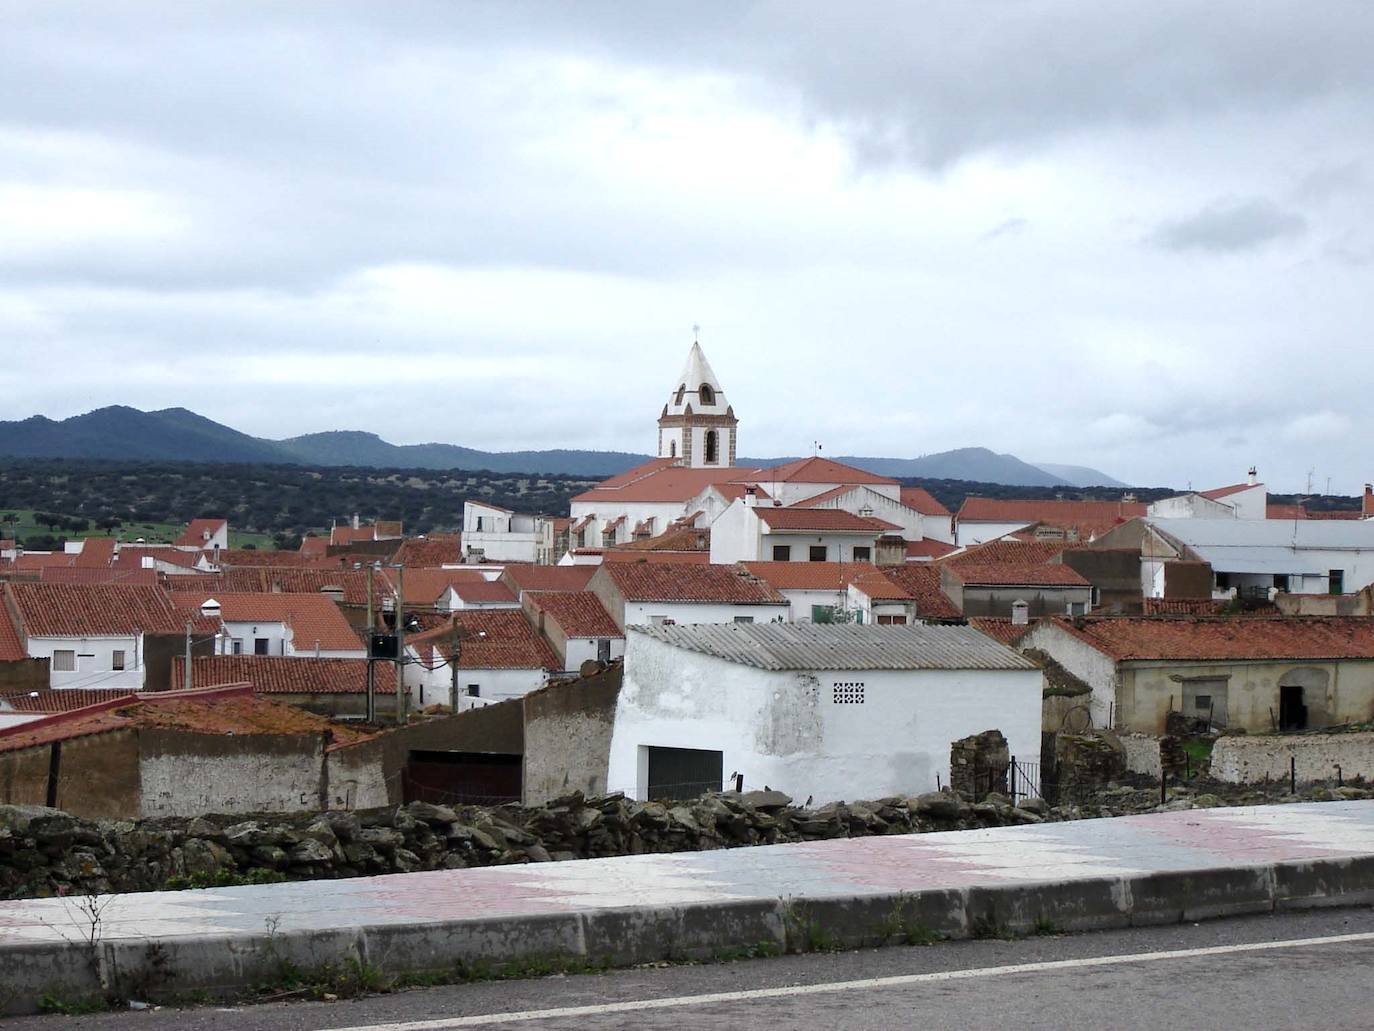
x=1242 y=759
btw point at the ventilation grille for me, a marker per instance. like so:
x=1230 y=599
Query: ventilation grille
x=849 y=694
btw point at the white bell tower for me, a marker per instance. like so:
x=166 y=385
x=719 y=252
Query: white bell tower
x=697 y=427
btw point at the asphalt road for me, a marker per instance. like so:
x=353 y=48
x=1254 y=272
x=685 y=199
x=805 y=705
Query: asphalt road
x=1219 y=974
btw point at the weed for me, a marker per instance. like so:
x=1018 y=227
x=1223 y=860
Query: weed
x=1044 y=926
x=804 y=932
x=987 y=928
x=50 y=1003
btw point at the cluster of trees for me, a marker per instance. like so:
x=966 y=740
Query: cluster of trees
x=289 y=500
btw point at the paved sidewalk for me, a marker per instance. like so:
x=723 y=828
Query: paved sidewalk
x=1092 y=873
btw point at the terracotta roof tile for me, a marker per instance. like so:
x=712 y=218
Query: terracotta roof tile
x=198 y=532
x=1217 y=493
x=11 y=646
x=1183 y=606
x=819 y=470
x=438 y=549
x=1001 y=629
x=220 y=711
x=314 y=547
x=427 y=586
x=526 y=577
x=280 y=580
x=312 y=617
x=688 y=582
x=927 y=549
x=483 y=592
x=1019 y=574
x=1276 y=511
x=809 y=576
x=49 y=701
x=923 y=501
x=487 y=639
x=96 y=552
x=921 y=581
x=832 y=520
x=93 y=610
x=1210 y=638
x=662 y=480
x=239 y=557
x=1090 y=516
x=278 y=674
x=677 y=539
x=98 y=575
x=578 y=613
x=1020 y=552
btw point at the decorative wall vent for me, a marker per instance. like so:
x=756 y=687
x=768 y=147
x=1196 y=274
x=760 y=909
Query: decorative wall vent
x=849 y=694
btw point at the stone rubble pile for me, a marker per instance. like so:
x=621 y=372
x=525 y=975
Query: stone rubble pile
x=46 y=852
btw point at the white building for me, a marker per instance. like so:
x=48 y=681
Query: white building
x=495 y=534
x=499 y=656
x=273 y=624
x=830 y=712
x=638 y=593
x=747 y=532
x=1249 y=500
x=698 y=425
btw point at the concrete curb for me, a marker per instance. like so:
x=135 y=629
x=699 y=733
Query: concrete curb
x=221 y=964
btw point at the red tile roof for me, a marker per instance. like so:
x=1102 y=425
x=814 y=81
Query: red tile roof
x=578 y=613
x=97 y=552
x=826 y=520
x=312 y=617
x=198 y=532
x=662 y=480
x=1019 y=552
x=526 y=577
x=49 y=701
x=1094 y=516
x=921 y=581
x=877 y=586
x=1183 y=606
x=226 y=710
x=30 y=560
x=809 y=576
x=487 y=639
x=1018 y=574
x=1001 y=628
x=97 y=575
x=11 y=647
x=686 y=538
x=1276 y=511
x=687 y=582
x=315 y=547
x=94 y=610
x=923 y=501
x=427 y=586
x=1221 y=638
x=928 y=549
x=819 y=470
x=1217 y=493
x=483 y=592
x=131 y=556
x=625 y=554
x=348 y=535
x=280 y=580
x=438 y=549
x=237 y=557
x=1335 y=514
x=286 y=674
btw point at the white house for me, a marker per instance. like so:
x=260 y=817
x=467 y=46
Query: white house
x=204 y=535
x=94 y=635
x=636 y=593
x=1249 y=500
x=499 y=654
x=274 y=624
x=829 y=712
x=749 y=532
x=576 y=625
x=495 y=534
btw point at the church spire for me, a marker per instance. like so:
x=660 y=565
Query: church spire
x=697 y=427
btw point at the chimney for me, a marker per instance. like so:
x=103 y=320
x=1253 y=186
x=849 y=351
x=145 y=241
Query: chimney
x=1020 y=613
x=1367 y=502
x=1254 y=476
x=751 y=497
x=355 y=520
x=210 y=608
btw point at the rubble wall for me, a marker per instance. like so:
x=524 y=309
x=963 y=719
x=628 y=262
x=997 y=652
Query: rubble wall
x=1248 y=760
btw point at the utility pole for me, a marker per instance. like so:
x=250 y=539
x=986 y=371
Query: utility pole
x=186 y=673
x=371 y=669
x=400 y=645
x=453 y=673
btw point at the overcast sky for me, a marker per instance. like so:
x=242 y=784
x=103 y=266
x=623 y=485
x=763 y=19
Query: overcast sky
x=1133 y=236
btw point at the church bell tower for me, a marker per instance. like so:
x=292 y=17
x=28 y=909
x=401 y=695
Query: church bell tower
x=697 y=427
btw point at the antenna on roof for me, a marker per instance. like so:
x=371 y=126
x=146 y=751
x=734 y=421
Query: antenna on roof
x=696 y=333
x=815 y=448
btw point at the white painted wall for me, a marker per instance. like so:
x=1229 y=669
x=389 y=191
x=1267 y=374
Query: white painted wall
x=644 y=613
x=94 y=661
x=580 y=649
x=251 y=782
x=432 y=686
x=970 y=532
x=839 y=547
x=1245 y=760
x=1085 y=662
x=1190 y=506
x=784 y=729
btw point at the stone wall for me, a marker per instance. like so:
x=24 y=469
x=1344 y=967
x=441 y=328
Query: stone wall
x=1248 y=760
x=183 y=774
x=978 y=764
x=1142 y=754
x=568 y=736
x=45 y=852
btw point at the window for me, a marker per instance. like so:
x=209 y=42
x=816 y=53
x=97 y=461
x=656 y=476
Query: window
x=660 y=621
x=848 y=694
x=1223 y=581
x=1335 y=581
x=64 y=661
x=894 y=620
x=782 y=553
x=712 y=448
x=681 y=393
x=744 y=619
x=238 y=646
x=1202 y=702
x=260 y=645
x=1280 y=581
x=822 y=613
x=707 y=395
x=863 y=554
x=117 y=659
x=479 y=524
x=672 y=449
x=1078 y=608
x=474 y=690
x=818 y=553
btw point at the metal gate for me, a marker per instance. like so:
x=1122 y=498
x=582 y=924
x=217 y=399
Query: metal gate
x=681 y=773
x=462 y=778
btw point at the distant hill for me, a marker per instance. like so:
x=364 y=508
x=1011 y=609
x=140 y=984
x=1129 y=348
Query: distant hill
x=1080 y=475
x=175 y=434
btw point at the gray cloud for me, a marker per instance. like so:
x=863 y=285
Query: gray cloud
x=1230 y=226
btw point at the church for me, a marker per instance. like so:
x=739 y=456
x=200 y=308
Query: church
x=811 y=509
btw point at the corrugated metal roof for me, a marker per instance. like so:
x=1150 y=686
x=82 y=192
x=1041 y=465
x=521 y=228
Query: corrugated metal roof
x=787 y=646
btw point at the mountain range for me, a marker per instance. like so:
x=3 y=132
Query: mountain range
x=176 y=434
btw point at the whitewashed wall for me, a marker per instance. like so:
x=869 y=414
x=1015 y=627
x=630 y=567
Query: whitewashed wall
x=1246 y=760
x=1085 y=662
x=974 y=532
x=94 y=661
x=643 y=613
x=784 y=729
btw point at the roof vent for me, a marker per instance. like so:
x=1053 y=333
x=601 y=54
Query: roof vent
x=1020 y=613
x=210 y=608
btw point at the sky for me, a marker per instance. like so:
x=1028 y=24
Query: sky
x=1135 y=236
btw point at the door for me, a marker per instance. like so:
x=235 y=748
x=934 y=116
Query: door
x=470 y=778
x=1292 y=708
x=603 y=651
x=680 y=773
